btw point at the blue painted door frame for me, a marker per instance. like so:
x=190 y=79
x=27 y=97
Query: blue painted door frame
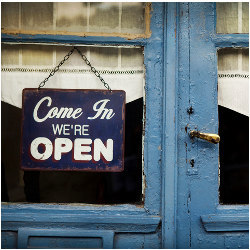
x=200 y=221
x=181 y=207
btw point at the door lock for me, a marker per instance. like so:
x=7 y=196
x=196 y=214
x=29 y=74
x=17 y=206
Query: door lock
x=213 y=138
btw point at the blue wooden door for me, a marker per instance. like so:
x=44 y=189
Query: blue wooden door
x=201 y=221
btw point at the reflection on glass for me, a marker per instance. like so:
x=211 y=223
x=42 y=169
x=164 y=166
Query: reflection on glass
x=75 y=187
x=37 y=55
x=132 y=18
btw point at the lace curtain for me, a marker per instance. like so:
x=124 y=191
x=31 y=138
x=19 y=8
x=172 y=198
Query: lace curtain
x=25 y=66
x=233 y=64
x=233 y=79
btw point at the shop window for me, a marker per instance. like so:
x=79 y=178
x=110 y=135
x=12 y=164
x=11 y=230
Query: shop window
x=26 y=66
x=93 y=18
x=233 y=100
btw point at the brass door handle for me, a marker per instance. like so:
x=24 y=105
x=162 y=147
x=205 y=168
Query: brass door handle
x=213 y=138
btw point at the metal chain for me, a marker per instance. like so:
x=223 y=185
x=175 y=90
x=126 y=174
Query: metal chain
x=93 y=69
x=42 y=84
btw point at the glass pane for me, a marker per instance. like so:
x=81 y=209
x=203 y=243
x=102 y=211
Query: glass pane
x=233 y=76
x=37 y=55
x=10 y=15
x=71 y=16
x=127 y=54
x=132 y=17
x=34 y=63
x=118 y=66
x=245 y=17
x=64 y=17
x=233 y=99
x=104 y=56
x=104 y=17
x=232 y=17
x=10 y=55
x=37 y=16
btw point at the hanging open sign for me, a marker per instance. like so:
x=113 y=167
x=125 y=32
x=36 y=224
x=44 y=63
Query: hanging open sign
x=79 y=130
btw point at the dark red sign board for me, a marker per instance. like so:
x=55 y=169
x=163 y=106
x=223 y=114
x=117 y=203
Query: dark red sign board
x=68 y=130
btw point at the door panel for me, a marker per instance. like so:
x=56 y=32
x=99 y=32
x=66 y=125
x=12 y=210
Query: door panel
x=61 y=238
x=198 y=181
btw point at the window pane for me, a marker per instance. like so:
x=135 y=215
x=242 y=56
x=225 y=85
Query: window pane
x=26 y=66
x=233 y=99
x=9 y=55
x=71 y=16
x=104 y=17
x=232 y=17
x=132 y=18
x=37 y=16
x=37 y=55
x=10 y=15
x=60 y=17
x=233 y=77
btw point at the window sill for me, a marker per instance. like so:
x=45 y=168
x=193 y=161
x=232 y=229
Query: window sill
x=229 y=218
x=124 y=218
x=231 y=40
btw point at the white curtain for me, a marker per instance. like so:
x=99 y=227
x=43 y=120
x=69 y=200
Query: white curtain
x=233 y=79
x=25 y=66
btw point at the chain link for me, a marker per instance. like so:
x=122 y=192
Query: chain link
x=93 y=69
x=97 y=74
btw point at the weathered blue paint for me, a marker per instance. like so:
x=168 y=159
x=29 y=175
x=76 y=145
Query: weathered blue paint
x=170 y=121
x=102 y=112
x=223 y=223
x=88 y=238
x=124 y=218
x=66 y=39
x=137 y=241
x=181 y=72
x=231 y=40
x=153 y=61
x=8 y=239
x=197 y=88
